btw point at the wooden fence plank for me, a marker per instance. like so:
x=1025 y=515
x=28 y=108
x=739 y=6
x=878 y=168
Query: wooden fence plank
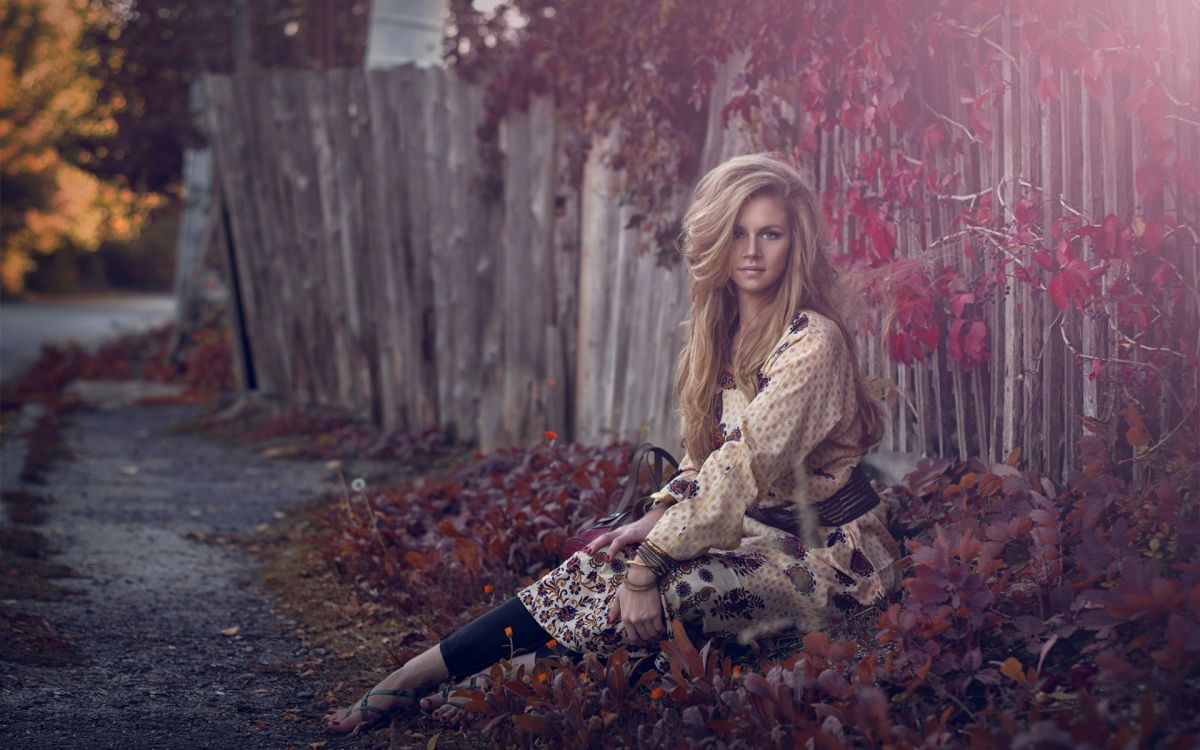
x=597 y=238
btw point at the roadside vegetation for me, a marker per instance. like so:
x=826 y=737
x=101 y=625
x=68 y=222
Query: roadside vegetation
x=1028 y=613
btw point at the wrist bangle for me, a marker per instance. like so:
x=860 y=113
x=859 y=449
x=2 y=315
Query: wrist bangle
x=659 y=561
x=634 y=587
x=640 y=564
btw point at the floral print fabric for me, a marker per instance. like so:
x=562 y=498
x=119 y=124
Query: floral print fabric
x=736 y=578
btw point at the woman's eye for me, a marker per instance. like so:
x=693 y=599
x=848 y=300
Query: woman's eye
x=771 y=234
x=737 y=234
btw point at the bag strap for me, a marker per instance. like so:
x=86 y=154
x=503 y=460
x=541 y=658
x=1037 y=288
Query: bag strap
x=641 y=455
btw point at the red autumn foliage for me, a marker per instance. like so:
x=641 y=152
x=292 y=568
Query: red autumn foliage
x=203 y=365
x=499 y=522
x=1031 y=615
x=1027 y=613
x=877 y=69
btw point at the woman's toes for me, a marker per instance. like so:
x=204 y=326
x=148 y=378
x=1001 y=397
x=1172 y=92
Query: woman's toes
x=334 y=722
x=447 y=714
x=340 y=721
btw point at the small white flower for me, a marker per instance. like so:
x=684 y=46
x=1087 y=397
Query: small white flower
x=359 y=484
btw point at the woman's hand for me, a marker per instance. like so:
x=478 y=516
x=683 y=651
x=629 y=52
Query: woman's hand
x=640 y=611
x=623 y=536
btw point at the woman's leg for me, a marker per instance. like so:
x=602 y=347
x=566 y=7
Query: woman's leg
x=447 y=708
x=499 y=634
x=502 y=633
x=426 y=670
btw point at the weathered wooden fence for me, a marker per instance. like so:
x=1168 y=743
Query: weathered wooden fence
x=387 y=266
x=380 y=272
x=375 y=274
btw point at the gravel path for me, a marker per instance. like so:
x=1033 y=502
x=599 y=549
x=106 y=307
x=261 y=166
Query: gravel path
x=146 y=610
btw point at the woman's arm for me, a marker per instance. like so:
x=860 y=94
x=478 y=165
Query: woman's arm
x=807 y=387
x=635 y=532
x=675 y=489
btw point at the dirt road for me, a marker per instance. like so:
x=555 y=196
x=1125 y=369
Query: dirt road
x=167 y=642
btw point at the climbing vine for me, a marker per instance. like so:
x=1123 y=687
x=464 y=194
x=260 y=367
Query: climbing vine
x=814 y=70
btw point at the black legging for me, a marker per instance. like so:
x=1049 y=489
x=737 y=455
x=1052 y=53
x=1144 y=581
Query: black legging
x=483 y=642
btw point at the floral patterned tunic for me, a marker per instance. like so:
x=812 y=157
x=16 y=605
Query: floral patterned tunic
x=794 y=442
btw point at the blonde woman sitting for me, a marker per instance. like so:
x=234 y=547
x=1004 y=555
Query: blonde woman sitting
x=775 y=419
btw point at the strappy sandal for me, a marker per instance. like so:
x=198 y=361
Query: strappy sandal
x=384 y=714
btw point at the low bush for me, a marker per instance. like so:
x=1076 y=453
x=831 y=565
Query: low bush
x=1029 y=615
x=444 y=545
x=203 y=363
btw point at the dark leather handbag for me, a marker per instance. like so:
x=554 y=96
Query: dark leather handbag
x=628 y=509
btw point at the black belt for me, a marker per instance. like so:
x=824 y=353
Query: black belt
x=851 y=501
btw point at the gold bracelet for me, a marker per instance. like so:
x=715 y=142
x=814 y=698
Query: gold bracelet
x=660 y=562
x=640 y=564
x=634 y=587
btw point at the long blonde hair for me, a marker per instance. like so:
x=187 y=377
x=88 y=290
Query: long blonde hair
x=809 y=281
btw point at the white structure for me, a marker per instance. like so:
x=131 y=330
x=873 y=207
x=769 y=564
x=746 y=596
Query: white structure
x=405 y=31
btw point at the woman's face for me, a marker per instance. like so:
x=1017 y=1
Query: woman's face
x=761 y=245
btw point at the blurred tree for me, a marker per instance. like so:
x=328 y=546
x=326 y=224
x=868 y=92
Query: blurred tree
x=48 y=203
x=94 y=113
x=146 y=53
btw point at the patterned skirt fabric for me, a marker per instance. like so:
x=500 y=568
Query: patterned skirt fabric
x=769 y=583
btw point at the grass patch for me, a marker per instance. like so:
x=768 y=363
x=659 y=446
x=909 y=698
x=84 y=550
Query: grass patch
x=24 y=507
x=31 y=639
x=46 y=445
x=354 y=639
x=280 y=430
x=25 y=543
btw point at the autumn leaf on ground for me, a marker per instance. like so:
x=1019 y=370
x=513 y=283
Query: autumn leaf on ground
x=1011 y=668
x=231 y=631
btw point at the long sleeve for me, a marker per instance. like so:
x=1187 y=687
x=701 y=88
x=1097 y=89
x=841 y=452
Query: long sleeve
x=801 y=401
x=676 y=487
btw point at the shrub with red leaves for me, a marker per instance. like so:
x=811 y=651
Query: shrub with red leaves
x=204 y=364
x=498 y=523
x=1029 y=614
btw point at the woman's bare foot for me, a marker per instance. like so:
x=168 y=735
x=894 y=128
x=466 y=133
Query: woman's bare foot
x=446 y=704
x=447 y=707
x=398 y=692
x=376 y=706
